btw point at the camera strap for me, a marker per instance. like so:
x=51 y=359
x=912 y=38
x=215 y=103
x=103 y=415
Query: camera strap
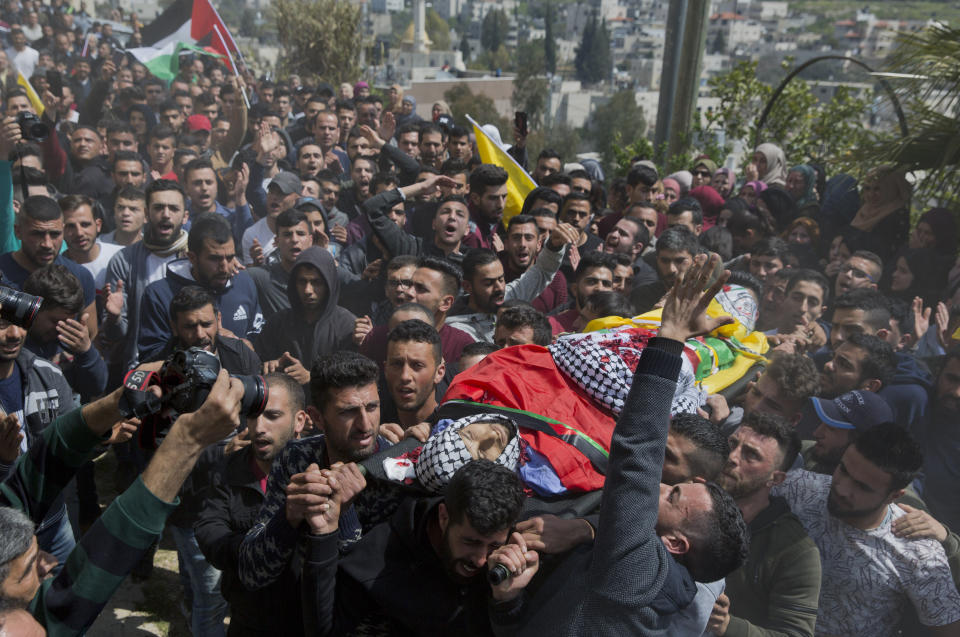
x=136 y=401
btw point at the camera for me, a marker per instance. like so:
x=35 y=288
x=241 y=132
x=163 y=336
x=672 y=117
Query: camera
x=185 y=381
x=18 y=307
x=31 y=128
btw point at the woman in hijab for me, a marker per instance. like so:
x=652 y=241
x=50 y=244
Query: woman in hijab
x=779 y=204
x=685 y=179
x=702 y=172
x=750 y=191
x=885 y=212
x=723 y=182
x=803 y=237
x=710 y=202
x=395 y=93
x=802 y=186
x=936 y=229
x=919 y=272
x=671 y=190
x=440 y=108
x=771 y=164
x=408 y=111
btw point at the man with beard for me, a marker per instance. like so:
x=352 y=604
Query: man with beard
x=486 y=288
x=488 y=196
x=200 y=181
x=432 y=151
x=414 y=367
x=293 y=237
x=871 y=575
x=938 y=435
x=675 y=252
x=594 y=274
x=231 y=503
x=39 y=227
x=445 y=540
x=210 y=263
x=861 y=362
x=345 y=406
x=81 y=226
x=523 y=243
x=194 y=322
x=776 y=590
x=132 y=269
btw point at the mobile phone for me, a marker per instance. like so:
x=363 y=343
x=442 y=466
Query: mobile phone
x=55 y=80
x=521 y=123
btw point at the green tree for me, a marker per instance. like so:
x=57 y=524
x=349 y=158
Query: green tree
x=619 y=121
x=550 y=41
x=438 y=31
x=493 y=31
x=593 y=57
x=319 y=37
x=464 y=102
x=530 y=87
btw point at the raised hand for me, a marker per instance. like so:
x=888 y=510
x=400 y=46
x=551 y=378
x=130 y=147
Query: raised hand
x=256 y=253
x=562 y=235
x=9 y=136
x=373 y=137
x=921 y=317
x=684 y=309
x=361 y=327
x=372 y=270
x=294 y=368
x=339 y=234
x=388 y=126
x=942 y=318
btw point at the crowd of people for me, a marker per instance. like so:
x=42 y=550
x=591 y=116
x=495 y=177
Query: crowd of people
x=713 y=402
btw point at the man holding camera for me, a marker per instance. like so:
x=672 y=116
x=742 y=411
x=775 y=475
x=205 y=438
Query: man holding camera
x=116 y=542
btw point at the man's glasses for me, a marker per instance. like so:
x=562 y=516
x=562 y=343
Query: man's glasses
x=403 y=284
x=856 y=273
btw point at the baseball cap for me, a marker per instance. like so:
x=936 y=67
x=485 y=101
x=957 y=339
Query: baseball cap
x=308 y=203
x=860 y=410
x=199 y=122
x=287 y=182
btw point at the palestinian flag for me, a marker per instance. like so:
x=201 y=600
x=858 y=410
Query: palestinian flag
x=192 y=21
x=164 y=62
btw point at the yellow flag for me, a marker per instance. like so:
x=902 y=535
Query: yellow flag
x=31 y=94
x=519 y=183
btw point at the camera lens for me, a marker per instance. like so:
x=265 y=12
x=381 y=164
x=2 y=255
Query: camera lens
x=255 y=395
x=39 y=131
x=18 y=308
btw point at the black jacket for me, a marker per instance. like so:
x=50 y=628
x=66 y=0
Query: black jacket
x=393 y=572
x=288 y=331
x=626 y=583
x=231 y=504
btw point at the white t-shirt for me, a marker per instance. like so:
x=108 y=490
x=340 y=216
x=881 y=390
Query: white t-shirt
x=98 y=267
x=869 y=576
x=24 y=61
x=262 y=233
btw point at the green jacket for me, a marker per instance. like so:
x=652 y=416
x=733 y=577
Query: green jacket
x=777 y=590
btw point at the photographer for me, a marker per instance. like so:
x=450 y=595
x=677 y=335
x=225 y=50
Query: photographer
x=115 y=543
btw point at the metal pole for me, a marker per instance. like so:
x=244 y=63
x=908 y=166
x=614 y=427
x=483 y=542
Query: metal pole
x=672 y=47
x=688 y=84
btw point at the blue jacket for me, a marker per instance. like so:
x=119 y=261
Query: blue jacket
x=237 y=302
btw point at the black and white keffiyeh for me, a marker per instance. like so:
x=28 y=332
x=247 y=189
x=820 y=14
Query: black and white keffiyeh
x=445 y=452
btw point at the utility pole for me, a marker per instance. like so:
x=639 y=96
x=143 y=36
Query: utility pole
x=685 y=41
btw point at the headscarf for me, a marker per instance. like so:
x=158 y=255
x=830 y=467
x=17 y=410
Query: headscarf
x=944 y=227
x=809 y=195
x=444 y=109
x=710 y=202
x=811 y=226
x=673 y=184
x=929 y=276
x=894 y=196
x=445 y=452
x=758 y=187
x=399 y=90
x=840 y=202
x=710 y=165
x=776 y=174
x=731 y=181
x=684 y=178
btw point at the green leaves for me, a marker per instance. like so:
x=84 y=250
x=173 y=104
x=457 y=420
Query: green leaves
x=320 y=37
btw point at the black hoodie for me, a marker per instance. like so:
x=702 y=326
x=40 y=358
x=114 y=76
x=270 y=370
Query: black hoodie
x=289 y=331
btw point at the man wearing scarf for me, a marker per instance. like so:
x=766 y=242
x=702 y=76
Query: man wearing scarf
x=132 y=269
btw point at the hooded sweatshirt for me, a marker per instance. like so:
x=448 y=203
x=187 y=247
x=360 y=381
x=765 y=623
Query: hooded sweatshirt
x=237 y=302
x=289 y=331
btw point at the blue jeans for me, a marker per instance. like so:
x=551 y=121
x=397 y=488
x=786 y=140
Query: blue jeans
x=209 y=608
x=57 y=539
